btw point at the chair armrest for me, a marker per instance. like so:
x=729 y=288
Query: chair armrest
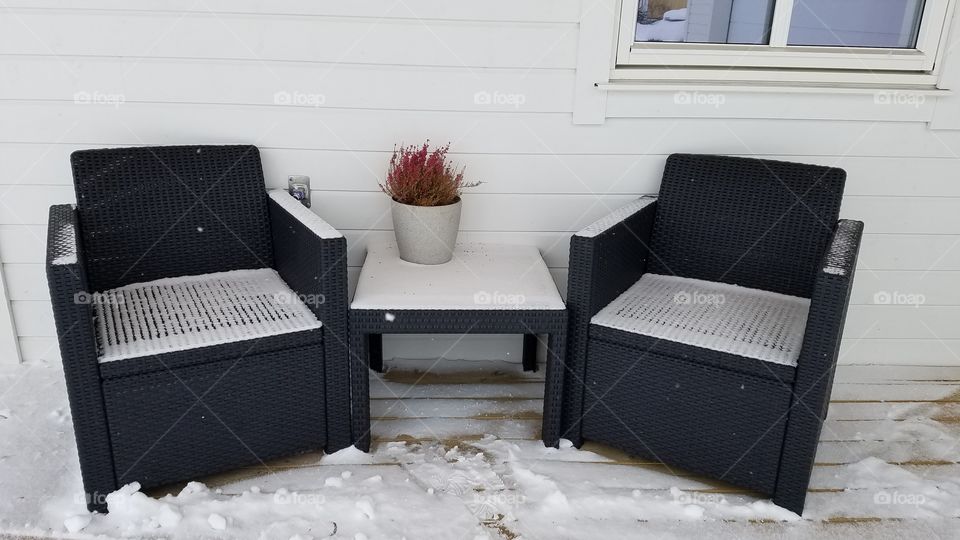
x=311 y=257
x=606 y=258
x=73 y=314
x=828 y=303
x=70 y=294
x=309 y=254
x=610 y=255
x=818 y=360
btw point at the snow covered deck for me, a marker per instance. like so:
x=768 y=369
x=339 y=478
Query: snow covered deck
x=460 y=444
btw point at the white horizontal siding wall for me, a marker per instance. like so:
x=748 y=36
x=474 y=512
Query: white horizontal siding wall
x=373 y=74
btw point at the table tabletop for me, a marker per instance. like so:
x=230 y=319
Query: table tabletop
x=481 y=276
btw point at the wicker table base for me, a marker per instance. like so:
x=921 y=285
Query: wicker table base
x=368 y=325
x=395 y=297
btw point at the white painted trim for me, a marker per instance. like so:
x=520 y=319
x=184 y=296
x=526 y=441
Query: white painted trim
x=626 y=29
x=683 y=100
x=9 y=344
x=947 y=113
x=825 y=79
x=780 y=25
x=621 y=86
x=790 y=57
x=597 y=24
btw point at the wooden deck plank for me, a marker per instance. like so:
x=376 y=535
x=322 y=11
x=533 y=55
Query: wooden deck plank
x=943 y=412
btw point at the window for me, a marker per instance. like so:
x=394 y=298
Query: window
x=865 y=35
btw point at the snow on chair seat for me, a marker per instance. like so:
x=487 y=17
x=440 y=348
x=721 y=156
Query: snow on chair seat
x=177 y=314
x=746 y=322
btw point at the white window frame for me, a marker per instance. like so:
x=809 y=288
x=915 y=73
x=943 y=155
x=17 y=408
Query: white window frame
x=693 y=61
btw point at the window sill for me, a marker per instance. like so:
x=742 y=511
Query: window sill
x=774 y=78
x=769 y=100
x=770 y=87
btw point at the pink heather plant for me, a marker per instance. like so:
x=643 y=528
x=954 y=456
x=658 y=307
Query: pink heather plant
x=421 y=177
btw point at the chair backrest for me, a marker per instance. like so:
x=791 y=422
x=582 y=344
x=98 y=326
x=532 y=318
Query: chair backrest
x=154 y=212
x=752 y=222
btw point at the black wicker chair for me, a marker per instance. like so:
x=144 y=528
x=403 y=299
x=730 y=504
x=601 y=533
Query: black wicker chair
x=706 y=322
x=202 y=322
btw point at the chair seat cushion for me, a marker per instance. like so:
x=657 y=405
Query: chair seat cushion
x=720 y=317
x=183 y=313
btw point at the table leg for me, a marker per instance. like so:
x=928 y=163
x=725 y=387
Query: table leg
x=376 y=352
x=530 y=352
x=360 y=388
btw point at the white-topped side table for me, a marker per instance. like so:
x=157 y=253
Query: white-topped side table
x=485 y=289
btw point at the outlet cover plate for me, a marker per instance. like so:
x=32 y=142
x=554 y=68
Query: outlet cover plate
x=299 y=187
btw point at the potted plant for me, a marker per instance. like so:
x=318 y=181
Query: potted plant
x=425 y=202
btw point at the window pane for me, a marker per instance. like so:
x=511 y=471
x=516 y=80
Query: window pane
x=856 y=23
x=705 y=21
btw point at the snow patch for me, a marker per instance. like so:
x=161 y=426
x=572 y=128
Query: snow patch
x=350 y=455
x=304 y=215
x=76 y=523
x=217 y=522
x=64 y=244
x=613 y=218
x=717 y=316
x=519 y=485
x=249 y=304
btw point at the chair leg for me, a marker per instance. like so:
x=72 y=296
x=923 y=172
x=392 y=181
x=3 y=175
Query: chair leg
x=573 y=389
x=336 y=359
x=96 y=491
x=797 y=459
x=791 y=495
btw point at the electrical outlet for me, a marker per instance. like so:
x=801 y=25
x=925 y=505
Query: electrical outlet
x=299 y=187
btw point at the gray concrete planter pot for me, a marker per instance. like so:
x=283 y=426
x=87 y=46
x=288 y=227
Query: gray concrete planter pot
x=426 y=234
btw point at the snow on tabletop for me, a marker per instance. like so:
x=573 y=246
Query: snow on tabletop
x=64 y=244
x=717 y=316
x=314 y=222
x=176 y=314
x=616 y=216
x=474 y=489
x=481 y=276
